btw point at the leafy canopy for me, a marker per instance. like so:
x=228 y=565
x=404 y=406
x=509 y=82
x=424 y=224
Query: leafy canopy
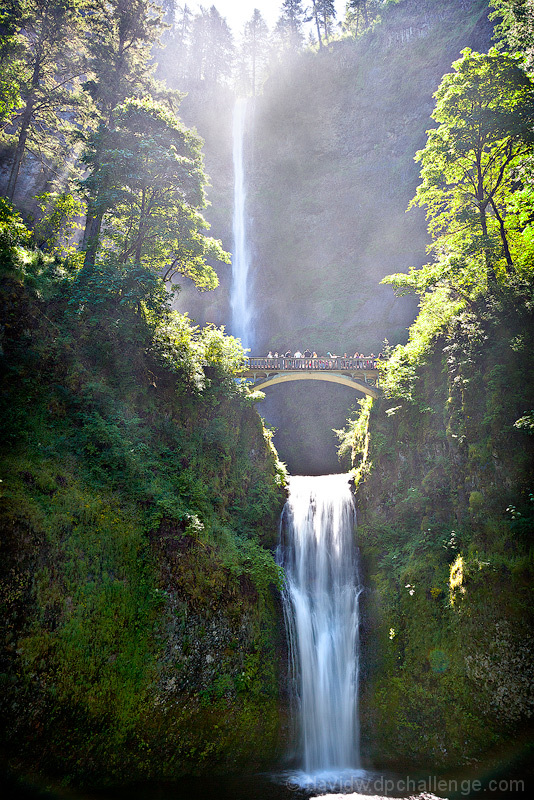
x=470 y=164
x=42 y=67
x=147 y=175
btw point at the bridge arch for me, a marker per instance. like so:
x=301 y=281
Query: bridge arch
x=344 y=380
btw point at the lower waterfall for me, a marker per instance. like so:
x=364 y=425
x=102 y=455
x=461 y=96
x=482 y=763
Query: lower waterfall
x=318 y=554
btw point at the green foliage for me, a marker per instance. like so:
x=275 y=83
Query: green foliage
x=515 y=25
x=13 y=236
x=146 y=180
x=362 y=15
x=119 y=48
x=354 y=439
x=55 y=227
x=47 y=65
x=11 y=63
x=444 y=537
x=138 y=487
x=437 y=312
x=484 y=112
x=526 y=423
x=111 y=285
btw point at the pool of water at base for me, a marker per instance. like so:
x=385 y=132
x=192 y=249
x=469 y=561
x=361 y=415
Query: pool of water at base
x=287 y=785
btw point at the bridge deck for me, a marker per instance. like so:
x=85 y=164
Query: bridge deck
x=283 y=364
x=357 y=373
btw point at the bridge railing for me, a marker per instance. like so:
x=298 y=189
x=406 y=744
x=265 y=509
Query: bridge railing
x=321 y=363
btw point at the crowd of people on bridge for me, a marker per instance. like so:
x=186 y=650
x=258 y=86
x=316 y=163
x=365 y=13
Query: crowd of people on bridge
x=310 y=360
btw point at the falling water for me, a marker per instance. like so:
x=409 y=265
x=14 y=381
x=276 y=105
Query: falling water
x=318 y=554
x=239 y=298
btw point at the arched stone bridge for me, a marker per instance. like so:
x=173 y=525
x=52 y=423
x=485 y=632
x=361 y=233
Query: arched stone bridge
x=357 y=373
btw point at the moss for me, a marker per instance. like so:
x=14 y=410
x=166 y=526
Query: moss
x=139 y=502
x=445 y=547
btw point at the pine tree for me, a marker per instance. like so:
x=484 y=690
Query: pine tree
x=360 y=14
x=255 y=49
x=212 y=49
x=324 y=14
x=290 y=24
x=122 y=36
x=172 y=64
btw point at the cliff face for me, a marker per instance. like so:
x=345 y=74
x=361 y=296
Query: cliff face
x=139 y=507
x=445 y=518
x=330 y=173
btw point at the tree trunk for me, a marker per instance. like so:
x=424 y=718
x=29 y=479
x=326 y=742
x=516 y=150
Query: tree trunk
x=91 y=236
x=482 y=205
x=316 y=16
x=490 y=272
x=24 y=127
x=21 y=146
x=504 y=238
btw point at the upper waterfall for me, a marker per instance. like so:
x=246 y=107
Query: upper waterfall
x=241 y=326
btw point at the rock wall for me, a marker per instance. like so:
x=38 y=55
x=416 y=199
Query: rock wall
x=445 y=514
x=141 y=632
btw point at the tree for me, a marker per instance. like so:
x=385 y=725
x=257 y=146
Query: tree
x=516 y=26
x=59 y=218
x=11 y=60
x=324 y=13
x=360 y=14
x=255 y=48
x=290 y=23
x=123 y=33
x=212 y=48
x=48 y=79
x=148 y=174
x=485 y=116
x=172 y=65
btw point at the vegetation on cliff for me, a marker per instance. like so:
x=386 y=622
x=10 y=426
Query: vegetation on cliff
x=444 y=461
x=139 y=499
x=140 y=491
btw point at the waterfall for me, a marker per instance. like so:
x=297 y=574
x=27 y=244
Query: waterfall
x=321 y=594
x=239 y=297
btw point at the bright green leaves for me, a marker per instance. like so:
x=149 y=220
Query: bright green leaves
x=42 y=65
x=485 y=111
x=147 y=180
x=472 y=173
x=13 y=236
x=476 y=179
x=515 y=24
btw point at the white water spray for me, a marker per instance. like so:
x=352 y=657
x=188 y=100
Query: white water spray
x=318 y=554
x=239 y=297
